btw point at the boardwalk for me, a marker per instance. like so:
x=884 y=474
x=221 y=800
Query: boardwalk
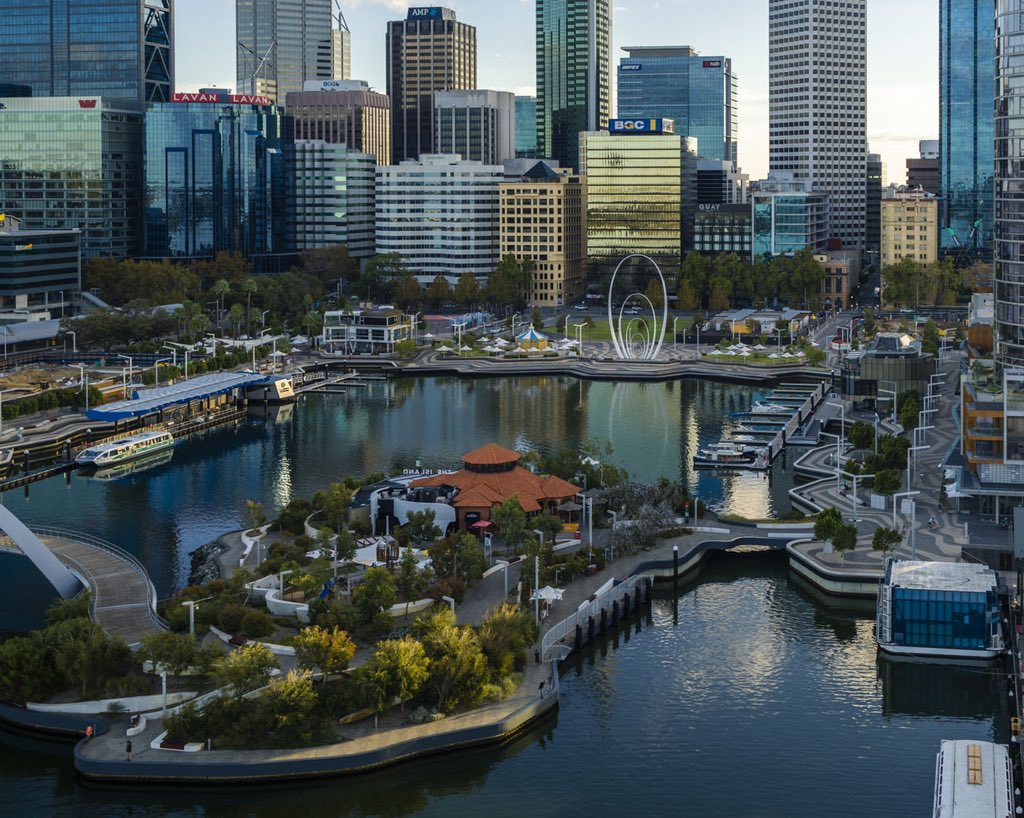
x=124 y=600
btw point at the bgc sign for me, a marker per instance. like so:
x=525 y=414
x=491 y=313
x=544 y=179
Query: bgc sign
x=641 y=126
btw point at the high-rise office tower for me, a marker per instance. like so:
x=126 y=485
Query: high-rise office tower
x=817 y=68
x=428 y=51
x=114 y=48
x=923 y=171
x=284 y=43
x=574 y=75
x=966 y=80
x=476 y=125
x=677 y=83
x=875 y=183
x=343 y=112
x=1008 y=238
x=526 y=127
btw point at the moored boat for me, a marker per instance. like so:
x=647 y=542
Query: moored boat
x=731 y=455
x=973 y=779
x=124 y=449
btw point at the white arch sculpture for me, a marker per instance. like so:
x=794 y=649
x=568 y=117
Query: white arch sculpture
x=636 y=340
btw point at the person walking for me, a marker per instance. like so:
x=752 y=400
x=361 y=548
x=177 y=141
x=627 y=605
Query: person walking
x=128 y=749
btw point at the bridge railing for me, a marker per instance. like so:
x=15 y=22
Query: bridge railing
x=110 y=548
x=560 y=630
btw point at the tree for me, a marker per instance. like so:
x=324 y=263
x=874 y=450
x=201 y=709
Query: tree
x=334 y=503
x=83 y=654
x=408 y=293
x=254 y=511
x=505 y=633
x=869 y=322
x=380 y=275
x=885 y=540
x=458 y=669
x=405 y=348
x=537 y=318
x=511 y=521
x=861 y=435
x=236 y=315
x=27 y=672
x=826 y=523
x=930 y=338
x=422 y=527
x=467 y=291
x=654 y=294
x=886 y=481
x=245 y=669
x=439 y=292
x=909 y=407
x=509 y=284
x=328 y=651
x=410 y=580
x=397 y=669
x=844 y=539
x=288 y=708
x=549 y=524
x=220 y=290
x=173 y=652
x=687 y=299
x=374 y=594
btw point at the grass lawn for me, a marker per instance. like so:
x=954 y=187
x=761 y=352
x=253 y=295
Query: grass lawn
x=600 y=331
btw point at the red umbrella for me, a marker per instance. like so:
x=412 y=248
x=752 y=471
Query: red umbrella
x=482 y=524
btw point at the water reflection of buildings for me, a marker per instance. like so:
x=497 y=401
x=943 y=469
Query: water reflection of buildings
x=523 y=406
x=928 y=689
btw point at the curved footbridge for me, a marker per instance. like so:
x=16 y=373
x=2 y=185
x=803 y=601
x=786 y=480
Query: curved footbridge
x=123 y=596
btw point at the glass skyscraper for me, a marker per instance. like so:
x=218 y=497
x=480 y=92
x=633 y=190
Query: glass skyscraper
x=113 y=48
x=526 y=127
x=284 y=43
x=1008 y=238
x=214 y=180
x=698 y=93
x=966 y=127
x=574 y=83
x=74 y=162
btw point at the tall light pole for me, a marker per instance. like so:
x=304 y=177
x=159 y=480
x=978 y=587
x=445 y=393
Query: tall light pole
x=130 y=373
x=156 y=370
x=579 y=338
x=842 y=434
x=74 y=341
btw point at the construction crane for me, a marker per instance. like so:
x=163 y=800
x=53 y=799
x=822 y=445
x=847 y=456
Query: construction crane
x=962 y=255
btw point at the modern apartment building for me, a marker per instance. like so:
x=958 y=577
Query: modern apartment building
x=75 y=163
x=544 y=219
x=817 y=120
x=789 y=216
x=331 y=196
x=910 y=226
x=284 y=43
x=78 y=48
x=440 y=214
x=428 y=51
x=675 y=82
x=215 y=178
x=574 y=75
x=966 y=124
x=478 y=125
x=641 y=192
x=343 y=112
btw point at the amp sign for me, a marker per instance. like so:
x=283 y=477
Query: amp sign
x=635 y=126
x=424 y=13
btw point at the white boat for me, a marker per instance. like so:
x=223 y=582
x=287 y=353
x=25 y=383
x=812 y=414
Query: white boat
x=127 y=468
x=774 y=408
x=728 y=454
x=126 y=448
x=276 y=390
x=972 y=780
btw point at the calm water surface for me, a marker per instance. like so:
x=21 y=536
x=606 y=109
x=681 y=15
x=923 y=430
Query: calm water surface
x=746 y=696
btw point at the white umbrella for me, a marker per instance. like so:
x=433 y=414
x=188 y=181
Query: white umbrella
x=729 y=352
x=444 y=349
x=760 y=346
x=533 y=350
x=775 y=355
x=484 y=339
x=501 y=342
x=277 y=355
x=518 y=351
x=427 y=335
x=465 y=348
x=746 y=353
x=547 y=593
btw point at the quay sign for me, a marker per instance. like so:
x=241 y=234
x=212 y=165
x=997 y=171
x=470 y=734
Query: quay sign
x=236 y=99
x=635 y=126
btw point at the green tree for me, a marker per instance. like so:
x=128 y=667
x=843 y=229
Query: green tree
x=27 y=672
x=505 y=633
x=220 y=290
x=397 y=669
x=236 y=315
x=247 y=668
x=861 y=435
x=886 y=481
x=549 y=524
x=328 y=651
x=439 y=292
x=410 y=580
x=458 y=669
x=693 y=273
x=537 y=319
x=173 y=652
x=844 y=539
x=653 y=292
x=408 y=293
x=380 y=275
x=405 y=348
x=869 y=322
x=909 y=407
x=467 y=291
x=885 y=539
x=63 y=609
x=84 y=655
x=687 y=299
x=510 y=519
x=376 y=593
x=334 y=503
x=288 y=707
x=930 y=338
x=254 y=511
x=422 y=527
x=509 y=284
x=826 y=522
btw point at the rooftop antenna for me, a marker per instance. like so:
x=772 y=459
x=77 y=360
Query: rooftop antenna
x=339 y=17
x=259 y=66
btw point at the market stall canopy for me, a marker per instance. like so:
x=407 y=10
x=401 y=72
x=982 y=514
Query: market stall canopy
x=547 y=594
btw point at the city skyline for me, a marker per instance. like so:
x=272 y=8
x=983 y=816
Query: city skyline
x=903 y=92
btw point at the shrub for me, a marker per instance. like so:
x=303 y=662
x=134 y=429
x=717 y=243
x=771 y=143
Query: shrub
x=230 y=617
x=455 y=587
x=256 y=624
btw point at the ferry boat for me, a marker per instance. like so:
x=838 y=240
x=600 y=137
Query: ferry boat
x=973 y=779
x=275 y=390
x=761 y=406
x=126 y=468
x=126 y=448
x=731 y=455
x=939 y=611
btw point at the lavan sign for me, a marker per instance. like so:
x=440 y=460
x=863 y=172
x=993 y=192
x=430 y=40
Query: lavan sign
x=237 y=99
x=636 y=126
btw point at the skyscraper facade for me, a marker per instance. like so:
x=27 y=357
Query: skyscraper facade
x=966 y=126
x=477 y=125
x=676 y=82
x=817 y=123
x=214 y=179
x=428 y=51
x=876 y=181
x=114 y=48
x=574 y=82
x=75 y=162
x=343 y=112
x=526 y=127
x=284 y=43
x=1008 y=227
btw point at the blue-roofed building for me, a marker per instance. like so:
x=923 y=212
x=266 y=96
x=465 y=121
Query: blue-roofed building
x=156 y=400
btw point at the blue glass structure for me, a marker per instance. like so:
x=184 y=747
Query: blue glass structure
x=214 y=180
x=966 y=123
x=526 y=127
x=787 y=222
x=115 y=48
x=677 y=83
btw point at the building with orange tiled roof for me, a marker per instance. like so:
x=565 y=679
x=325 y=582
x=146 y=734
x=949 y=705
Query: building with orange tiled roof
x=491 y=475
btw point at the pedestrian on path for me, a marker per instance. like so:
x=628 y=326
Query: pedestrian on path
x=536 y=657
x=128 y=749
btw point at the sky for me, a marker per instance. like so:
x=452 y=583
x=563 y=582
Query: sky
x=903 y=61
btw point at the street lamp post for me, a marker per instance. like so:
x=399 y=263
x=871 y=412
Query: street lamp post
x=675 y=338
x=126 y=374
x=579 y=338
x=74 y=341
x=156 y=370
x=892 y=392
x=842 y=435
